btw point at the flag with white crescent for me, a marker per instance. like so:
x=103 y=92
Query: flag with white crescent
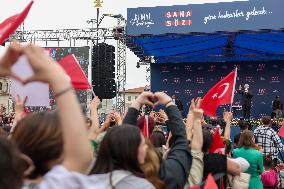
x=222 y=93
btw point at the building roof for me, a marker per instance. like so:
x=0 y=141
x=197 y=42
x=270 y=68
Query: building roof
x=135 y=90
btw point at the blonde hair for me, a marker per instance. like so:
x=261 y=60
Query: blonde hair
x=151 y=167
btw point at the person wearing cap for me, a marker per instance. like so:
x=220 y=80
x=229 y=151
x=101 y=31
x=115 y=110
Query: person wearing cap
x=277 y=107
x=245 y=100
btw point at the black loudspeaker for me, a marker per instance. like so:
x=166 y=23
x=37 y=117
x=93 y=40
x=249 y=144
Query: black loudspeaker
x=103 y=71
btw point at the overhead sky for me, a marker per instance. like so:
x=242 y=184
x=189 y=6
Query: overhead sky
x=72 y=14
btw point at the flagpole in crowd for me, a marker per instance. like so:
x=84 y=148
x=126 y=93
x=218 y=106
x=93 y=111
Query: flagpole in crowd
x=234 y=88
x=93 y=92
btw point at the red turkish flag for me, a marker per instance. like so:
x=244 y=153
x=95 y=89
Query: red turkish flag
x=217 y=142
x=281 y=131
x=145 y=127
x=222 y=93
x=75 y=72
x=210 y=183
x=10 y=25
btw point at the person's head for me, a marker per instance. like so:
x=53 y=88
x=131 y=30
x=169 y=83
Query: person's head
x=123 y=148
x=11 y=170
x=39 y=136
x=214 y=121
x=243 y=125
x=247 y=139
x=208 y=127
x=151 y=123
x=266 y=120
x=151 y=167
x=246 y=86
x=207 y=140
x=268 y=163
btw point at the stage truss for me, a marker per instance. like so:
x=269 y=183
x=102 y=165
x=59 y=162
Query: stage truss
x=91 y=36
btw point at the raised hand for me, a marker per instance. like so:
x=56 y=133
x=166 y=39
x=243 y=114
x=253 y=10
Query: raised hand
x=20 y=103
x=227 y=116
x=10 y=57
x=197 y=114
x=143 y=99
x=95 y=103
x=20 y=108
x=45 y=68
x=163 y=98
x=118 y=118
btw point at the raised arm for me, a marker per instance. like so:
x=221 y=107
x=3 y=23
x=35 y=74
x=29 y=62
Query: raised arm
x=190 y=117
x=94 y=131
x=77 y=148
x=19 y=111
x=175 y=168
x=228 y=116
x=133 y=111
x=197 y=139
x=189 y=121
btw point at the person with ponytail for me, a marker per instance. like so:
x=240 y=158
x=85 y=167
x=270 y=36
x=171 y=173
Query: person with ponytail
x=174 y=169
x=39 y=137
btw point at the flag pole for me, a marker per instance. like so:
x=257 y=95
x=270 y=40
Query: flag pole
x=234 y=88
x=93 y=91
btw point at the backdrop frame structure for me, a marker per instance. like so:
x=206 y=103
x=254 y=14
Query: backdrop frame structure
x=92 y=36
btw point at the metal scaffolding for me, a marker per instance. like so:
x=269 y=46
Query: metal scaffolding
x=121 y=66
x=91 y=36
x=71 y=35
x=147 y=61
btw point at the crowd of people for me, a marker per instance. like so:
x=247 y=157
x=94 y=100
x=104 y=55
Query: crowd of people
x=63 y=149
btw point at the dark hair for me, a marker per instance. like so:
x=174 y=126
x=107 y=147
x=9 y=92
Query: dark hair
x=268 y=162
x=228 y=146
x=266 y=120
x=11 y=167
x=207 y=127
x=39 y=136
x=214 y=121
x=246 y=139
x=118 y=150
x=3 y=133
x=222 y=123
x=243 y=125
x=207 y=140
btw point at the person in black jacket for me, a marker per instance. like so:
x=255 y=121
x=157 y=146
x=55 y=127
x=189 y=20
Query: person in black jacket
x=178 y=103
x=245 y=100
x=277 y=107
x=175 y=168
